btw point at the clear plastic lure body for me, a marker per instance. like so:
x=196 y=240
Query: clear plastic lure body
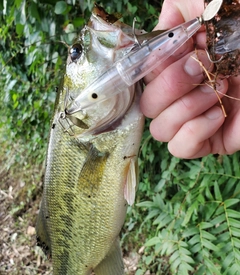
x=134 y=66
x=140 y=62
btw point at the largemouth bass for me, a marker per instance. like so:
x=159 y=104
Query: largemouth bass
x=91 y=164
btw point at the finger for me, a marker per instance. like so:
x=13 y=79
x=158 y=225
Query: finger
x=193 y=139
x=185 y=109
x=178 y=11
x=178 y=79
x=232 y=125
x=200 y=40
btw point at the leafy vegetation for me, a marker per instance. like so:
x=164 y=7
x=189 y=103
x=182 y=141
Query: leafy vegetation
x=186 y=219
x=195 y=214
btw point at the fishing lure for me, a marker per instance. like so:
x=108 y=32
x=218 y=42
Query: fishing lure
x=139 y=62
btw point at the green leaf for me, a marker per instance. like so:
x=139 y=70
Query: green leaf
x=227 y=165
x=147 y=204
x=230 y=184
x=205 y=225
x=189 y=213
x=160 y=185
x=220 y=228
x=234 y=222
x=131 y=8
x=175 y=264
x=187 y=259
x=149 y=259
x=217 y=192
x=235 y=232
x=190 y=231
x=226 y=249
x=207 y=235
x=153 y=241
x=34 y=11
x=234 y=269
x=210 y=209
x=174 y=256
x=161 y=217
x=233 y=213
x=196 y=248
x=201 y=270
x=19 y=29
x=140 y=272
x=224 y=237
x=212 y=267
x=236 y=242
x=78 y=22
x=60 y=7
x=227 y=262
x=209 y=245
x=20 y=14
x=152 y=214
x=195 y=239
x=163 y=222
x=236 y=167
x=219 y=219
x=231 y=202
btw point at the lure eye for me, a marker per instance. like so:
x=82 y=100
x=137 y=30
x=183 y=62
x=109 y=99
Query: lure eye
x=75 y=52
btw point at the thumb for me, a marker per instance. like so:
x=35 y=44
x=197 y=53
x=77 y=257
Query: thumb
x=170 y=16
x=175 y=12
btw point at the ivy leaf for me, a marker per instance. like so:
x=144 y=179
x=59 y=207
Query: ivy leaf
x=19 y=29
x=60 y=7
x=34 y=11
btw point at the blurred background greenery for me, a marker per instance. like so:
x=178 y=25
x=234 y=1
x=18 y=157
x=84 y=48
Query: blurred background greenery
x=186 y=218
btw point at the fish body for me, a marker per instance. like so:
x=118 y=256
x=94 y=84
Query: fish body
x=91 y=163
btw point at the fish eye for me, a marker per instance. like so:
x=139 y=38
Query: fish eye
x=75 y=52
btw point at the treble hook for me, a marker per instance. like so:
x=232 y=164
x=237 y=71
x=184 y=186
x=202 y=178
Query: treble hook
x=134 y=34
x=213 y=61
x=67 y=121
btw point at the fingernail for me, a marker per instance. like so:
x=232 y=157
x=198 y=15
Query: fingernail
x=210 y=88
x=207 y=89
x=194 y=64
x=214 y=113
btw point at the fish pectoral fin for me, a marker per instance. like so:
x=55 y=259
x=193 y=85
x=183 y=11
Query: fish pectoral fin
x=112 y=264
x=131 y=182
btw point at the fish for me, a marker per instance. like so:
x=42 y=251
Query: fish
x=91 y=169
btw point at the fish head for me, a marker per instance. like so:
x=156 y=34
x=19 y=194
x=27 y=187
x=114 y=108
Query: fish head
x=103 y=41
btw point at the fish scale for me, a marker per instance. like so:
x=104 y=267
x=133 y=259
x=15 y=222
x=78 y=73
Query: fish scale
x=91 y=201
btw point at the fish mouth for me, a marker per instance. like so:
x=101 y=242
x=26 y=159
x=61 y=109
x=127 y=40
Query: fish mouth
x=113 y=119
x=112 y=123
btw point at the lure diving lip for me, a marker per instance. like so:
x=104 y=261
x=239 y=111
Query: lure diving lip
x=138 y=63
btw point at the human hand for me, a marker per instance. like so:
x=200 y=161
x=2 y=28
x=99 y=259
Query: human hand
x=186 y=112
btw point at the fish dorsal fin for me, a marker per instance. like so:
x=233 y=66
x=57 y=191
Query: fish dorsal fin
x=131 y=182
x=112 y=263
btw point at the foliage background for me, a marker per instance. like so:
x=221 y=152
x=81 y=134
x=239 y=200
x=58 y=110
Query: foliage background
x=186 y=219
